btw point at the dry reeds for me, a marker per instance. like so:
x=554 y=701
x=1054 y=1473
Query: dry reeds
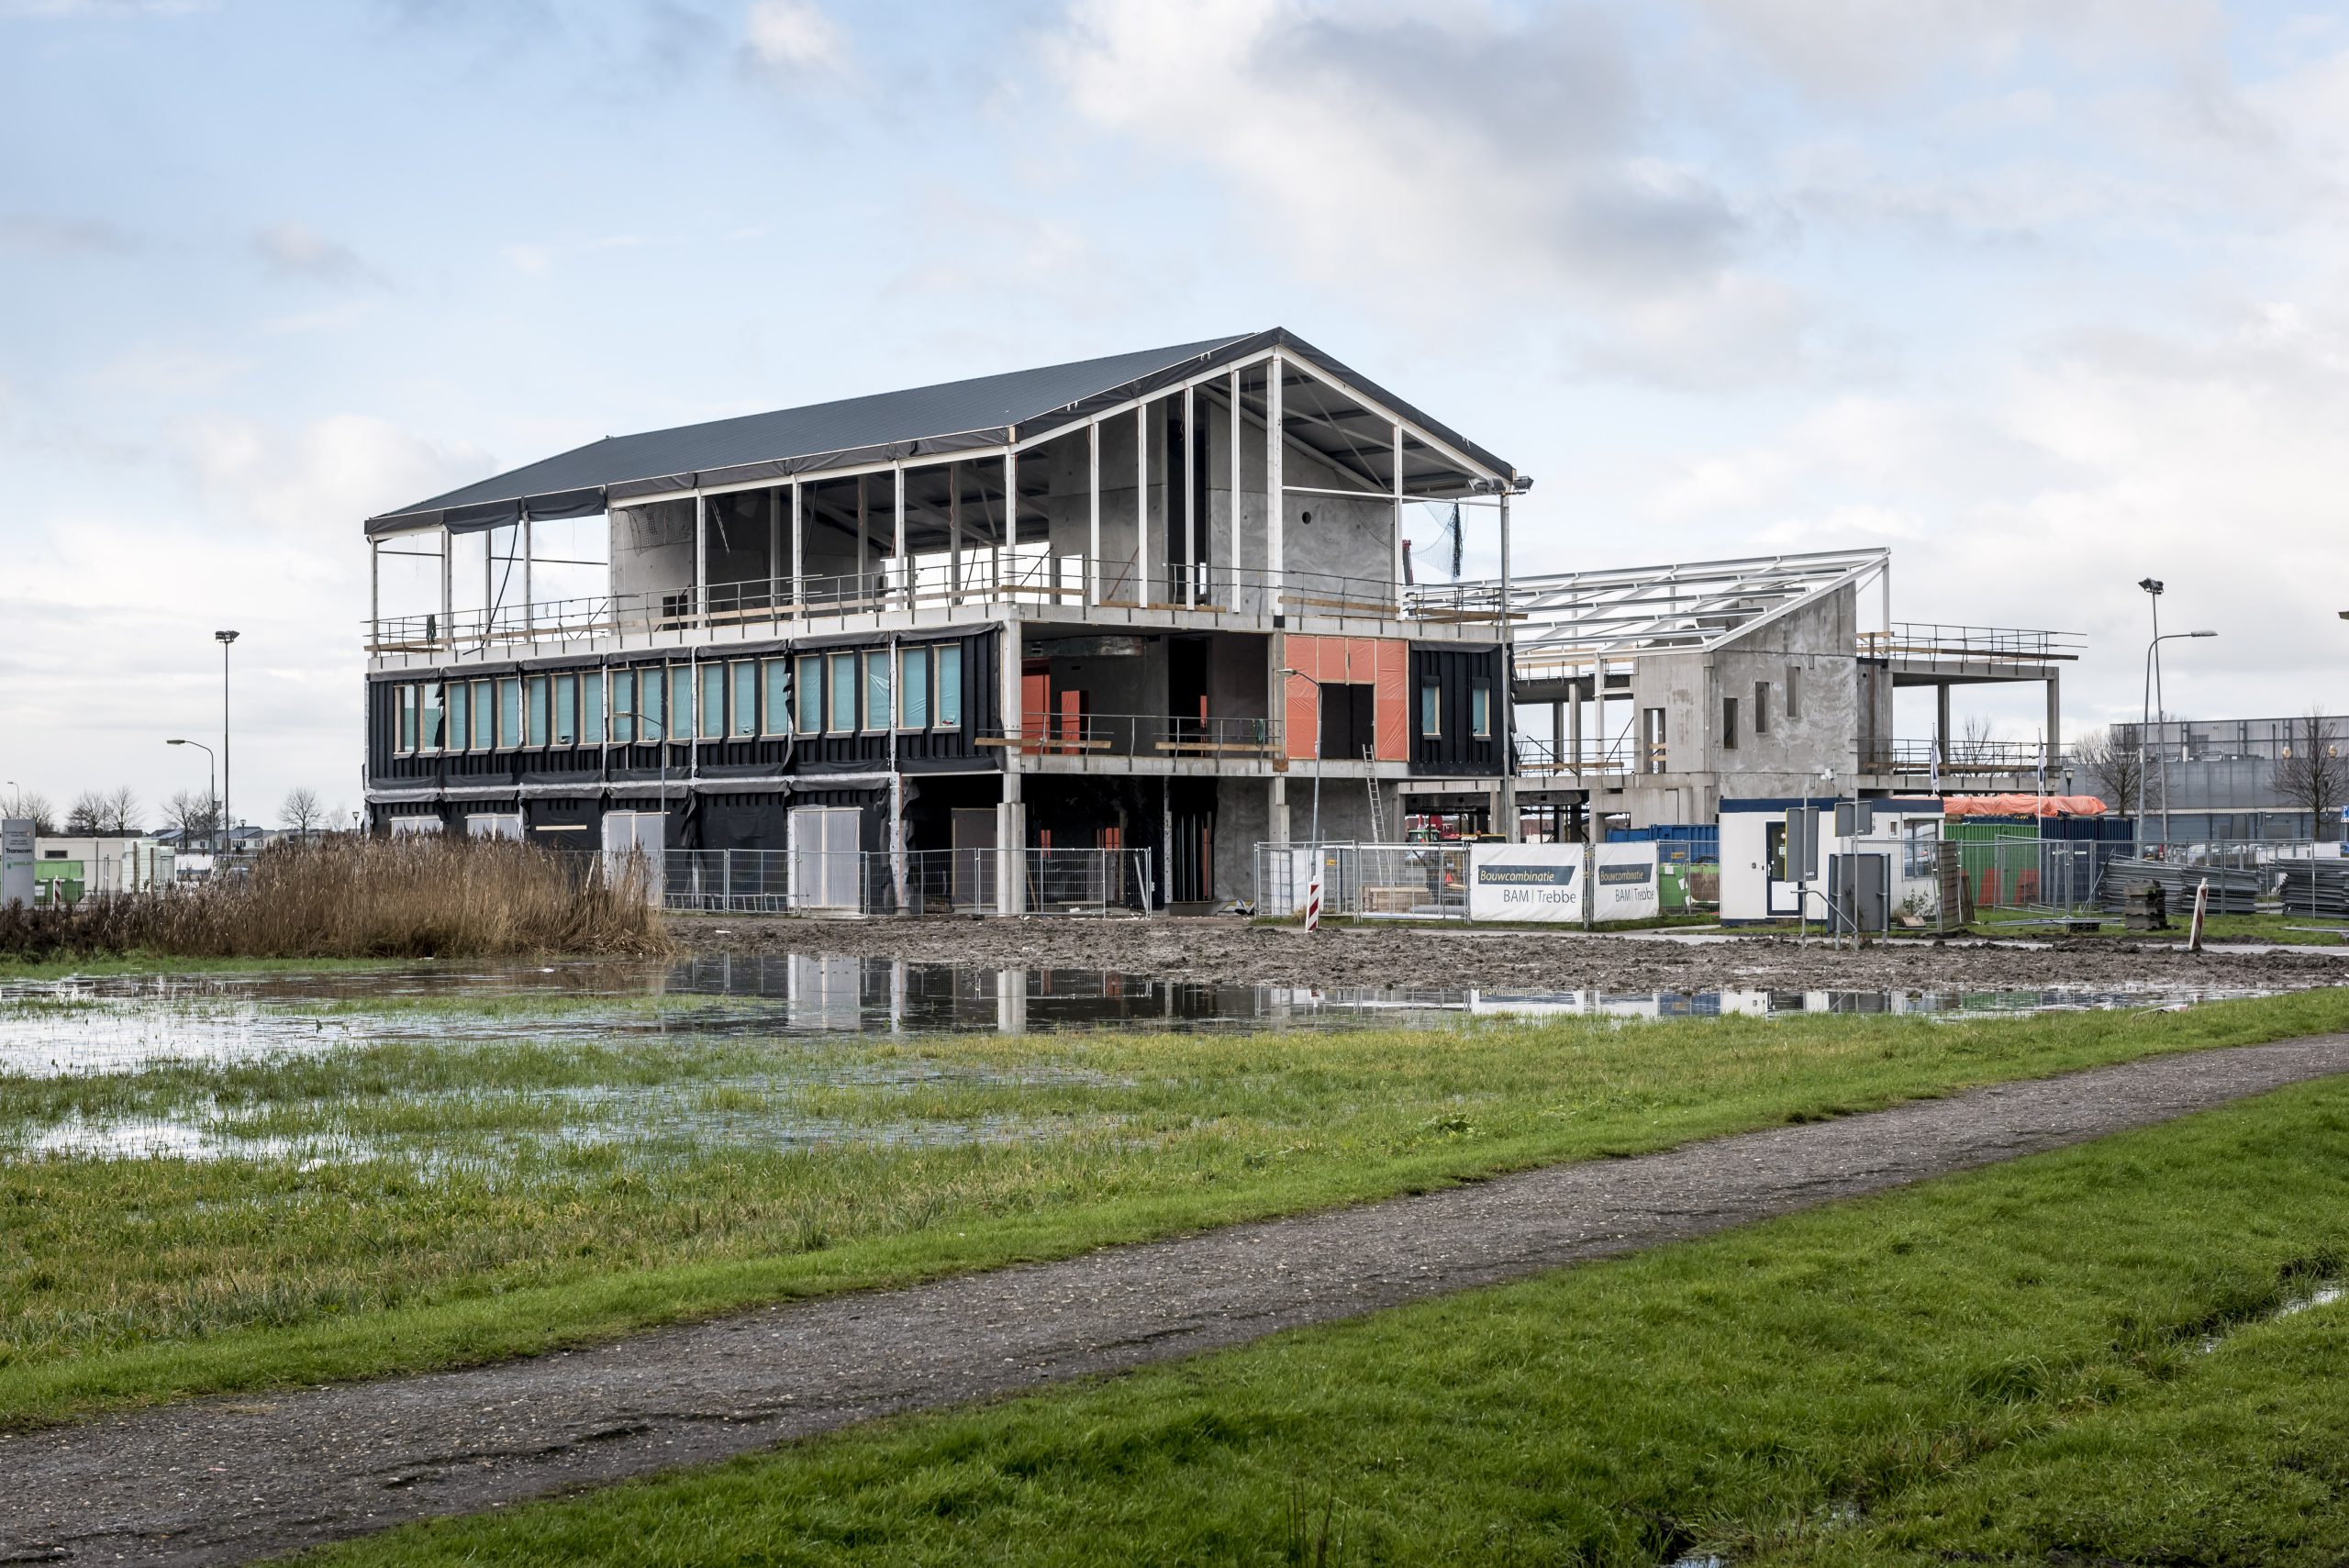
x=356 y=897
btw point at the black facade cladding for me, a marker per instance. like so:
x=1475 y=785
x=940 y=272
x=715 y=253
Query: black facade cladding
x=1456 y=674
x=592 y=768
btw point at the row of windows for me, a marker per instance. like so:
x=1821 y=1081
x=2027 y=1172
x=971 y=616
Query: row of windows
x=742 y=699
x=1480 y=709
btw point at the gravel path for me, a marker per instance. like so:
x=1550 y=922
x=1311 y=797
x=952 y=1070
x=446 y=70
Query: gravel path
x=1231 y=950
x=226 y=1480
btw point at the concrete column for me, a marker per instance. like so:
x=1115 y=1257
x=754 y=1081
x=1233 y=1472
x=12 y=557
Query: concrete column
x=1940 y=720
x=1011 y=850
x=1558 y=734
x=1277 y=817
x=1574 y=725
x=2054 y=744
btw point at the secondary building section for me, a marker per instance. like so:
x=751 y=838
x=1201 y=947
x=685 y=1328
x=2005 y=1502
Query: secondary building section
x=1122 y=604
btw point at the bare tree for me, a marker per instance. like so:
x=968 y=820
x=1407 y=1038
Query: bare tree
x=23 y=803
x=194 y=815
x=2311 y=773
x=119 y=812
x=87 y=815
x=1973 y=742
x=300 y=810
x=2113 y=766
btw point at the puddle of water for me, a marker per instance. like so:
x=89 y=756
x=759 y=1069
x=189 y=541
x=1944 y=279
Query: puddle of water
x=2325 y=1294
x=116 y=1023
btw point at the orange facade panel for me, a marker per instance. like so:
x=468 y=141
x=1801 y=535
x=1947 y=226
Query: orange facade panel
x=1391 y=715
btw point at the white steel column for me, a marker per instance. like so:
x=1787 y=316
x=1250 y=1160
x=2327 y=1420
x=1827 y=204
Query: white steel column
x=1505 y=699
x=904 y=565
x=1239 y=556
x=447 y=587
x=1010 y=514
x=528 y=552
x=1142 y=503
x=953 y=534
x=701 y=556
x=1397 y=564
x=774 y=551
x=1093 y=513
x=1276 y=541
x=488 y=581
x=374 y=590
x=1190 y=498
x=864 y=553
x=798 y=555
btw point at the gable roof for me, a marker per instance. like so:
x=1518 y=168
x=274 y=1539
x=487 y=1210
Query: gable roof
x=956 y=416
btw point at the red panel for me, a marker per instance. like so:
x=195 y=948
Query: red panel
x=1035 y=705
x=1391 y=711
x=1301 y=712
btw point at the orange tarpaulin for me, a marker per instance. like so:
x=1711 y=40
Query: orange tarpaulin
x=2022 y=805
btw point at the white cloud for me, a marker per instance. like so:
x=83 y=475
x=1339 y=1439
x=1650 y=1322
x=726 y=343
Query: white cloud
x=299 y=250
x=793 y=38
x=1375 y=153
x=1869 y=50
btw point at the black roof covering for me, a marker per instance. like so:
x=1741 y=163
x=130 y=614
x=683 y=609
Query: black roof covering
x=920 y=421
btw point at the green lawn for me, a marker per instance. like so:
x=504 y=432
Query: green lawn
x=2087 y=1357
x=402 y=1203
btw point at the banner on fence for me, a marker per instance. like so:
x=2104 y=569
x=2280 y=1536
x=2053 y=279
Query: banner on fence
x=1528 y=882
x=1623 y=885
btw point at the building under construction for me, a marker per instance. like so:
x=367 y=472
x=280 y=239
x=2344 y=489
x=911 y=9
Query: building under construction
x=1128 y=604
x=1649 y=695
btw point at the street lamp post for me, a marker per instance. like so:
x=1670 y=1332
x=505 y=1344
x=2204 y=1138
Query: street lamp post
x=2151 y=651
x=227 y=835
x=211 y=784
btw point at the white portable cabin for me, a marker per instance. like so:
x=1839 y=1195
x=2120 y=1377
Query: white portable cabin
x=1761 y=883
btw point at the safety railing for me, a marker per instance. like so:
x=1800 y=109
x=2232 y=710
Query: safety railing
x=1140 y=735
x=1591 y=756
x=981 y=579
x=1097 y=881
x=1935 y=641
x=1365 y=882
x=1958 y=758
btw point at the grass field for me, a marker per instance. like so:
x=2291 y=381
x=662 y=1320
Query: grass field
x=405 y=1204
x=2113 y=1354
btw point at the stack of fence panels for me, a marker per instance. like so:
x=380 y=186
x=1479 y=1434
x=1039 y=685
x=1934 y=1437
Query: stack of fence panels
x=2233 y=892
x=2316 y=887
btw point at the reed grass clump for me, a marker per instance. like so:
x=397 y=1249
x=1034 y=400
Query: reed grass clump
x=364 y=897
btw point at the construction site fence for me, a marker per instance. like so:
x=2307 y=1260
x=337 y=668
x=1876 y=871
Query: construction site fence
x=1365 y=882
x=2089 y=876
x=913 y=882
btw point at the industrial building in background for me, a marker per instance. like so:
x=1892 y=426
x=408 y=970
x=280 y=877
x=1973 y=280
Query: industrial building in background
x=1151 y=609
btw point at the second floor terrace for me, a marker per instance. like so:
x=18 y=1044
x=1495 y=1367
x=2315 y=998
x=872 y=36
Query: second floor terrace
x=1245 y=480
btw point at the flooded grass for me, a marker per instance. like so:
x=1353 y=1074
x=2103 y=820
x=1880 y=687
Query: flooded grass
x=185 y=1218
x=1995 y=1367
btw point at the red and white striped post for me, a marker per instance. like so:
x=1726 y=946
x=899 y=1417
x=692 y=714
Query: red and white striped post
x=1313 y=894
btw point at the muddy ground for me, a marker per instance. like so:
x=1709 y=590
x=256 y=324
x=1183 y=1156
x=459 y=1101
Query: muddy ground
x=1231 y=951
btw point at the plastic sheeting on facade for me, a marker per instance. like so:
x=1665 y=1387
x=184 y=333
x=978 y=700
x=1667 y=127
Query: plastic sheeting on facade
x=2023 y=805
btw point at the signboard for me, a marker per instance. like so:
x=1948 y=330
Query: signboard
x=1525 y=881
x=1623 y=883
x=16 y=861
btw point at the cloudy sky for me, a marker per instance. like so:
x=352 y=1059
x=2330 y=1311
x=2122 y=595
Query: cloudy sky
x=2046 y=295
